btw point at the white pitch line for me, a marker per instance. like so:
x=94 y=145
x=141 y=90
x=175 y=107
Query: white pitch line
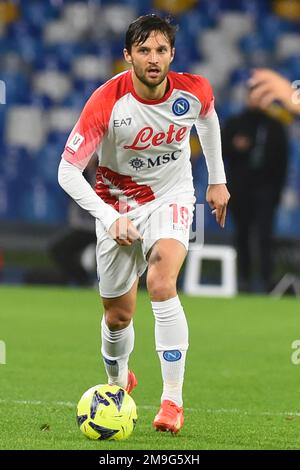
x=69 y=404
x=66 y=404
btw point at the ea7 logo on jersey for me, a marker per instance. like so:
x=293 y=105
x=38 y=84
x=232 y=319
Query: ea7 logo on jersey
x=122 y=122
x=75 y=143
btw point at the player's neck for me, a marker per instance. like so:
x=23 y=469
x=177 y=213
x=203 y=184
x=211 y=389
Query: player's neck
x=146 y=93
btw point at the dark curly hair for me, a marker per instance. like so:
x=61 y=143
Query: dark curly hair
x=141 y=28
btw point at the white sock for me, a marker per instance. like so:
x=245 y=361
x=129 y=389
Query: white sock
x=116 y=348
x=171 y=338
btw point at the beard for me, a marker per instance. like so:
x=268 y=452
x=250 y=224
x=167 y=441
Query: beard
x=150 y=83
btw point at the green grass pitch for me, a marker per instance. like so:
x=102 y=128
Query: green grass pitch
x=241 y=387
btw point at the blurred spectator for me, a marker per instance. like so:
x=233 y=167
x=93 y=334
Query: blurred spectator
x=255 y=149
x=268 y=86
x=68 y=246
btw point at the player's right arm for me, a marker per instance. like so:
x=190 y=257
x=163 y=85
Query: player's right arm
x=82 y=143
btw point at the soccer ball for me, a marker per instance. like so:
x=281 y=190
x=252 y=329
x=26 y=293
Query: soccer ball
x=106 y=412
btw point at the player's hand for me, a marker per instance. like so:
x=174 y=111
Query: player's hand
x=267 y=86
x=217 y=197
x=124 y=232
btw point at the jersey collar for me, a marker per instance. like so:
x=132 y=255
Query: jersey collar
x=142 y=100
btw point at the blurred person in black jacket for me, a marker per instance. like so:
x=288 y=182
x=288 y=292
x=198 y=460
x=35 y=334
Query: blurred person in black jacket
x=69 y=245
x=255 y=149
x=67 y=248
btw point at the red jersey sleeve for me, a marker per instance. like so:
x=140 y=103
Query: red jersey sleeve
x=197 y=85
x=92 y=125
x=207 y=97
x=86 y=134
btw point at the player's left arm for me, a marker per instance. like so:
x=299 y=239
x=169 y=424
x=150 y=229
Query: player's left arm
x=217 y=196
x=208 y=129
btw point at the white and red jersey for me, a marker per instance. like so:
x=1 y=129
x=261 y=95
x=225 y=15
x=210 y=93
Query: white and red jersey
x=142 y=145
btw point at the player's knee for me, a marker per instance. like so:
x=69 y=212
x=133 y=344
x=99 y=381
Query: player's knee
x=117 y=318
x=161 y=288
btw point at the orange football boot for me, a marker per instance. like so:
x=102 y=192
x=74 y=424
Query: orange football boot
x=169 y=418
x=132 y=382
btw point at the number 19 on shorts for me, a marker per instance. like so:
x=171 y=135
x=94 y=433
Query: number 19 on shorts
x=180 y=216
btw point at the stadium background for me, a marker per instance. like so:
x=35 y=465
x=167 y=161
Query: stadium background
x=54 y=53
x=242 y=376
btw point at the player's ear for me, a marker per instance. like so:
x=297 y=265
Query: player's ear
x=127 y=56
x=172 y=54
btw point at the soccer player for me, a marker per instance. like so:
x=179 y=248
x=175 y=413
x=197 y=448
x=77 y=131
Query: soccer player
x=139 y=124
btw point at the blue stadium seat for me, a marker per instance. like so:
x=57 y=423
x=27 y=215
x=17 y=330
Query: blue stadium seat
x=256 y=8
x=17 y=87
x=132 y=3
x=25 y=39
x=287 y=222
x=76 y=99
x=241 y=74
x=6 y=45
x=228 y=109
x=47 y=161
x=65 y=52
x=271 y=27
x=101 y=47
x=255 y=42
x=232 y=5
x=57 y=139
x=192 y=22
x=50 y=61
x=186 y=53
x=22 y=28
x=39 y=100
x=8 y=200
x=29 y=48
x=293 y=64
x=38 y=13
x=210 y=9
x=142 y=7
x=86 y=87
x=16 y=163
x=2 y=121
x=285 y=70
x=42 y=203
x=116 y=47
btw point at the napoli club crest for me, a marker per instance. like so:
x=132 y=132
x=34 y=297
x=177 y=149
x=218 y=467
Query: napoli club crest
x=180 y=106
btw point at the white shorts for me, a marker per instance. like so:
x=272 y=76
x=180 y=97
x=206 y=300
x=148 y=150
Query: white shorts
x=119 y=266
